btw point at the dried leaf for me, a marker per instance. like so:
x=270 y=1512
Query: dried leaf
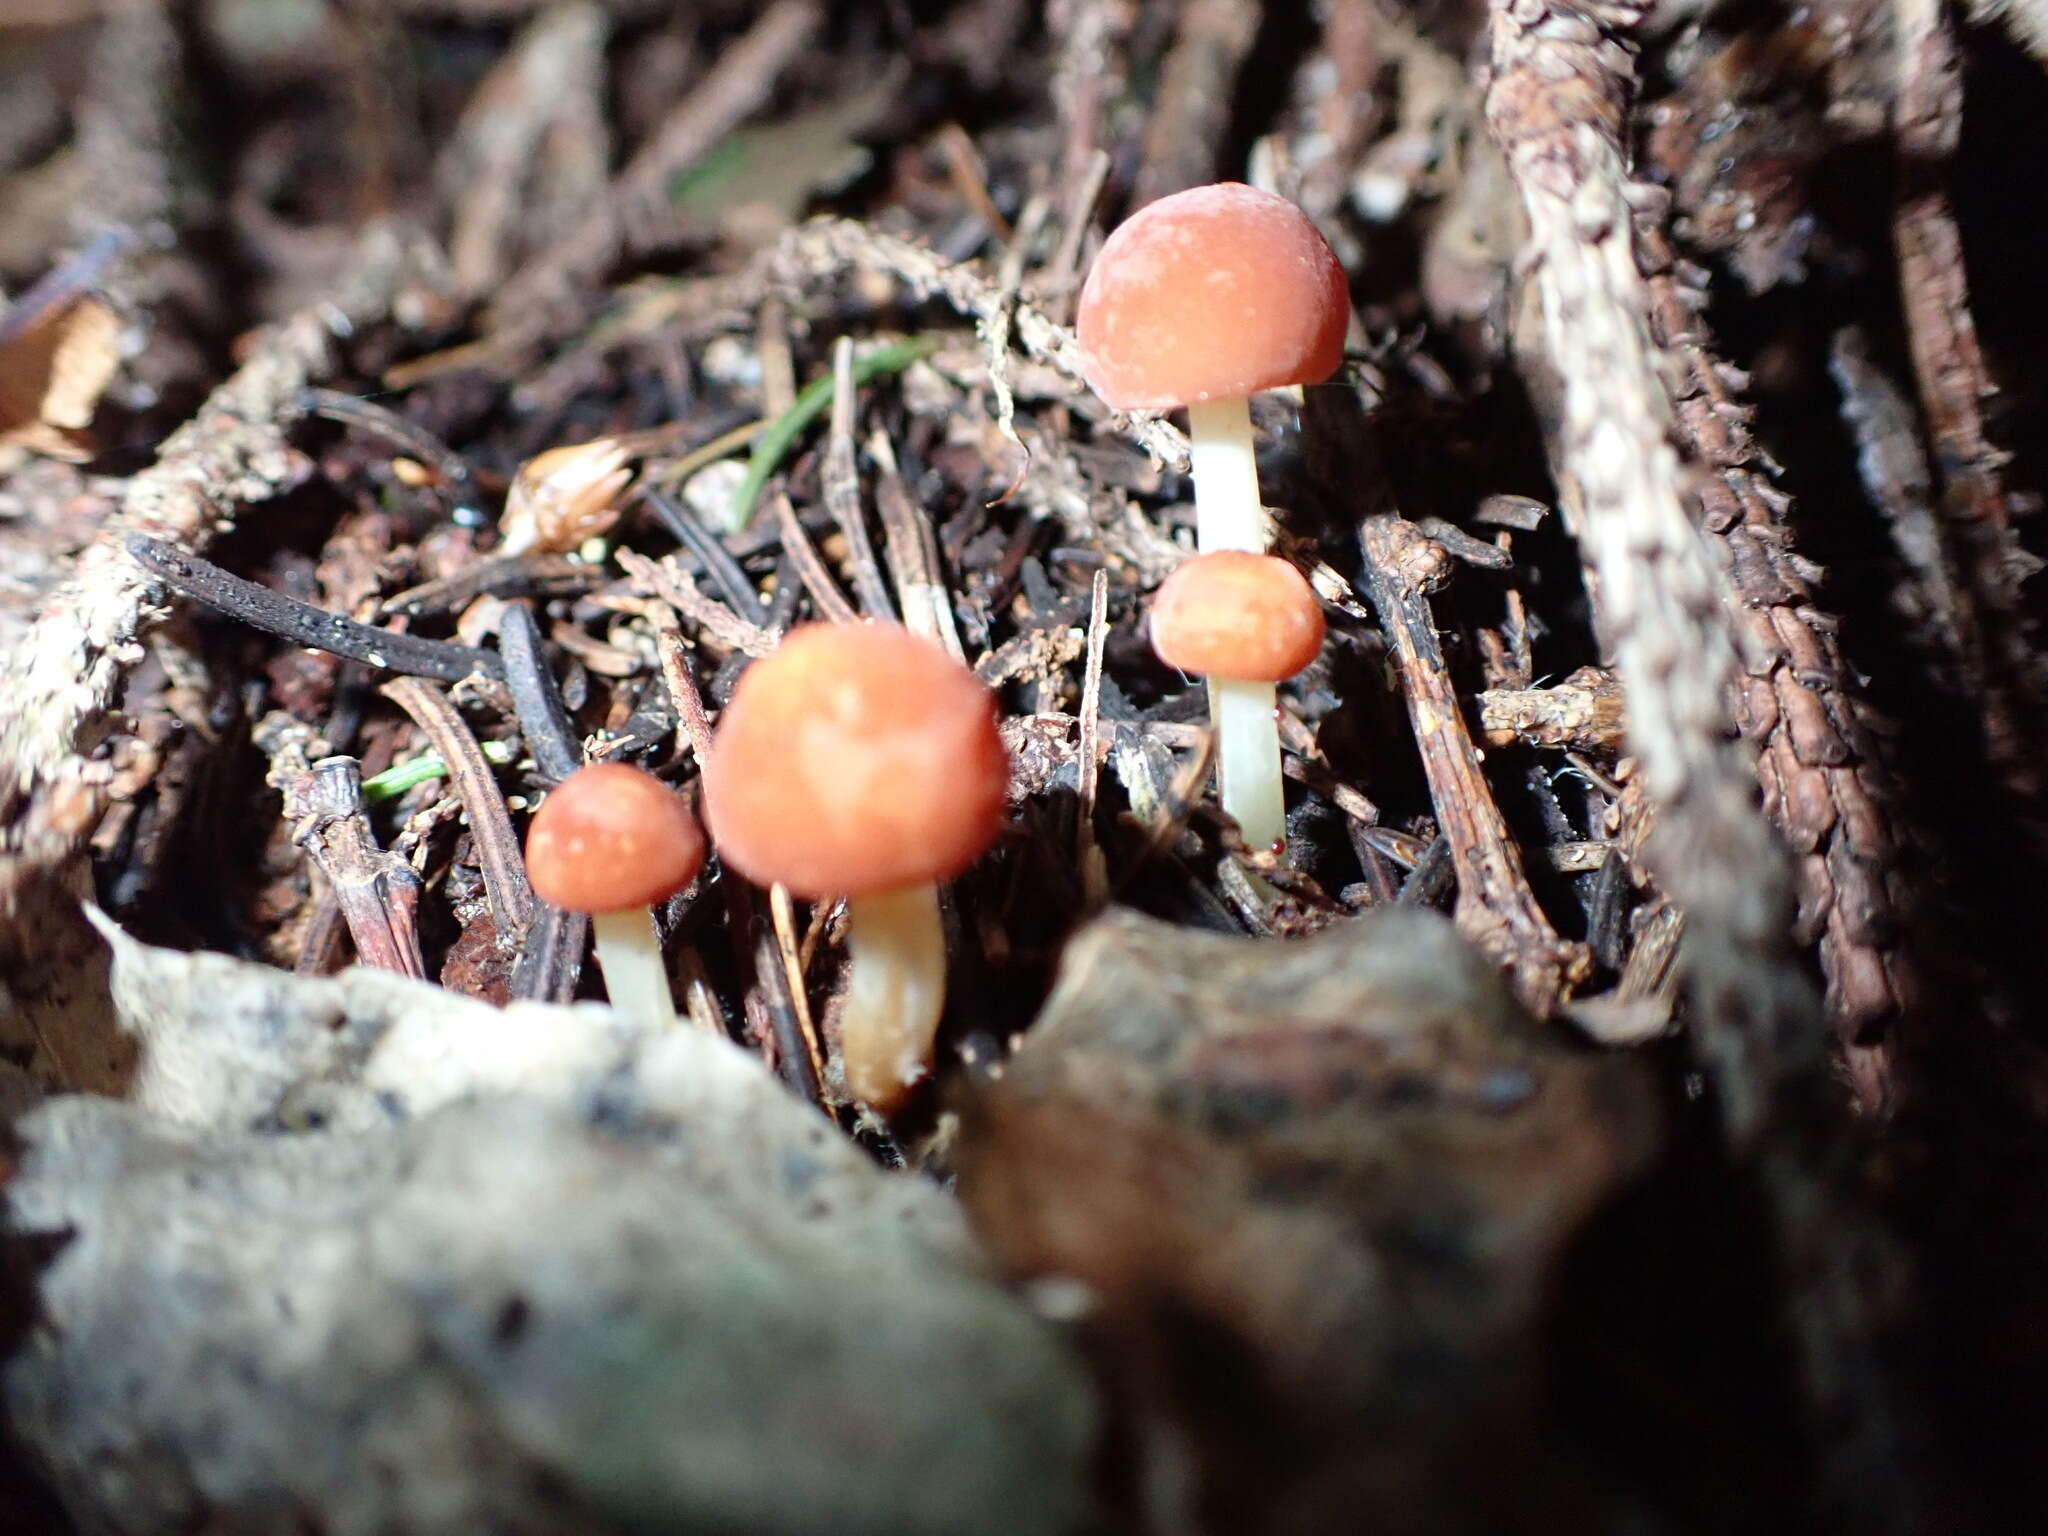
x=564 y=496
x=762 y=178
x=52 y=376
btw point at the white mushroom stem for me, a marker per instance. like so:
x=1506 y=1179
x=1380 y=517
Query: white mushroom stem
x=1228 y=512
x=1248 y=758
x=634 y=976
x=894 y=994
x=1229 y=515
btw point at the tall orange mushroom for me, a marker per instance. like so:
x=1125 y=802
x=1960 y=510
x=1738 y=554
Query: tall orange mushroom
x=859 y=760
x=1202 y=299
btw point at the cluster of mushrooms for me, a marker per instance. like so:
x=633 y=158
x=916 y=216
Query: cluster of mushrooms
x=859 y=761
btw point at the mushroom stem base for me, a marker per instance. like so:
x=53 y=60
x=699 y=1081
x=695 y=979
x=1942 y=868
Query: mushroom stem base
x=894 y=994
x=1248 y=758
x=634 y=976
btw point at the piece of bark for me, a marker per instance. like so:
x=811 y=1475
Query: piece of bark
x=1314 y=1192
x=364 y=1256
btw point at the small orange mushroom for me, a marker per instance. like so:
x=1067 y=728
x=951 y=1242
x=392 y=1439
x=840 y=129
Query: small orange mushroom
x=1245 y=622
x=1232 y=614
x=859 y=760
x=612 y=840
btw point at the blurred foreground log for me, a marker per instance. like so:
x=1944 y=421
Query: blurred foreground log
x=1315 y=1193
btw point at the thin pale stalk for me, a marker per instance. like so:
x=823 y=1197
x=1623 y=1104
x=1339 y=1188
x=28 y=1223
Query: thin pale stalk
x=1248 y=758
x=1228 y=514
x=634 y=977
x=895 y=993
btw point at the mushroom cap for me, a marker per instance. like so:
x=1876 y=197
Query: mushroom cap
x=1234 y=614
x=856 y=758
x=612 y=837
x=1211 y=294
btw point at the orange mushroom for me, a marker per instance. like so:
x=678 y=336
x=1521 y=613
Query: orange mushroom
x=1209 y=296
x=1238 y=615
x=859 y=760
x=1250 y=621
x=612 y=840
x=1202 y=299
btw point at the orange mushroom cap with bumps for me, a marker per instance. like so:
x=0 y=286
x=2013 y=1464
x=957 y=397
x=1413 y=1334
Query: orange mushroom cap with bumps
x=860 y=761
x=1213 y=293
x=612 y=840
x=609 y=838
x=857 y=758
x=1237 y=615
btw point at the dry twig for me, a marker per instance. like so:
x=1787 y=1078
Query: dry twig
x=839 y=483
x=497 y=846
x=1496 y=909
x=1800 y=706
x=673 y=585
x=377 y=892
x=54 y=699
x=1557 y=105
x=1585 y=711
